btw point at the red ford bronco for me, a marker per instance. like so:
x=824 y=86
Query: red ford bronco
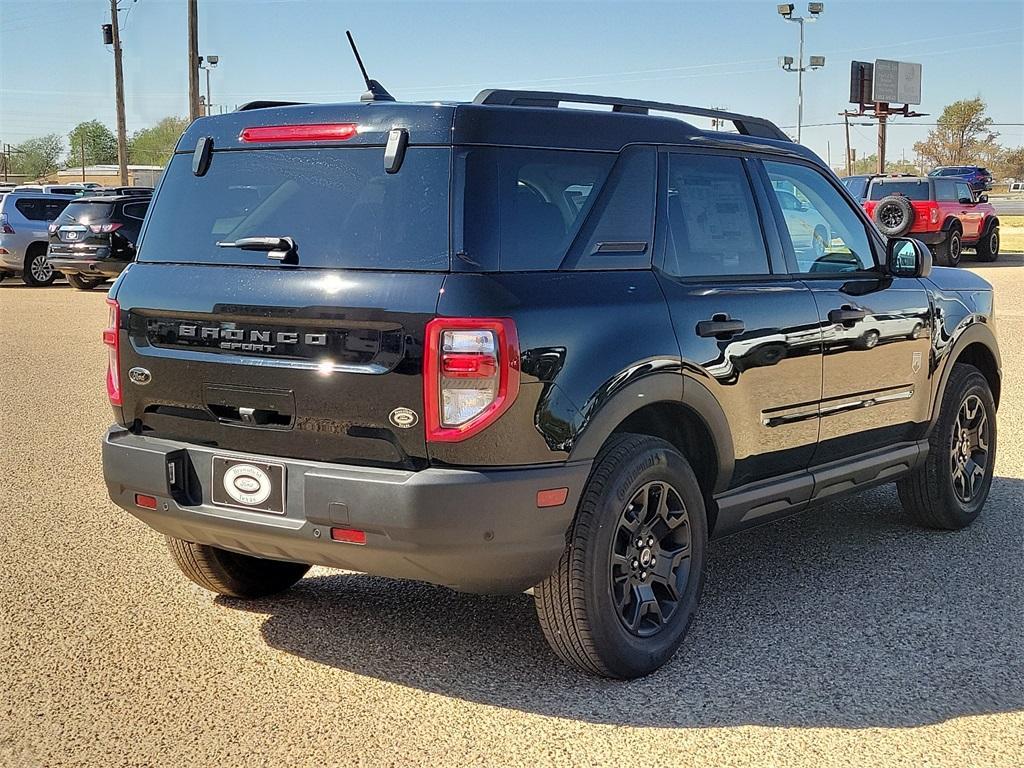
x=942 y=212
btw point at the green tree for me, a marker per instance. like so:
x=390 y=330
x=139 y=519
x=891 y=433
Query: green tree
x=100 y=144
x=962 y=136
x=1009 y=164
x=37 y=157
x=154 y=146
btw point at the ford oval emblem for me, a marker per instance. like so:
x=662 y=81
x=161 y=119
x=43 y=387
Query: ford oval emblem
x=404 y=418
x=140 y=376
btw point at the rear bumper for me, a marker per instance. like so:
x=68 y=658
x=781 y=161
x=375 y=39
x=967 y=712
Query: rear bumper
x=476 y=531
x=87 y=266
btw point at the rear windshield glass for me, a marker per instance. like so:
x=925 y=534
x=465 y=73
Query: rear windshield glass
x=857 y=185
x=338 y=204
x=85 y=213
x=912 y=190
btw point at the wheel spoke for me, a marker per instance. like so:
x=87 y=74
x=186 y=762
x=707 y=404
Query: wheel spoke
x=649 y=605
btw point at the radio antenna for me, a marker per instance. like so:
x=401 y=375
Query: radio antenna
x=374 y=90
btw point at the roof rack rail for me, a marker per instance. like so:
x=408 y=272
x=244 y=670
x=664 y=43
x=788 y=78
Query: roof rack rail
x=745 y=124
x=268 y=104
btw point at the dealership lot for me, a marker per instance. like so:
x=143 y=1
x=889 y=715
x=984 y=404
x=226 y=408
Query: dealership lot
x=841 y=635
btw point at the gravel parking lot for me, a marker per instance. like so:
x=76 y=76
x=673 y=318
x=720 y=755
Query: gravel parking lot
x=840 y=637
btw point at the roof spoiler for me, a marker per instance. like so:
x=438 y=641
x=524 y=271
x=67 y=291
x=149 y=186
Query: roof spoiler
x=745 y=124
x=268 y=105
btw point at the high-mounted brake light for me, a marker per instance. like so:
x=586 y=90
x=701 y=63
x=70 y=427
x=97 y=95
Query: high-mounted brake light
x=311 y=132
x=470 y=375
x=112 y=338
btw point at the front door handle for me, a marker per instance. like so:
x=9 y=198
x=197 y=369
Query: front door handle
x=847 y=315
x=720 y=326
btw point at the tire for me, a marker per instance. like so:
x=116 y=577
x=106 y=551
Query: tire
x=934 y=495
x=84 y=283
x=988 y=246
x=869 y=340
x=893 y=215
x=588 y=604
x=232 y=574
x=949 y=253
x=38 y=271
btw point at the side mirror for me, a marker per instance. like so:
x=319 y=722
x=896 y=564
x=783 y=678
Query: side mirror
x=907 y=257
x=966 y=201
x=983 y=198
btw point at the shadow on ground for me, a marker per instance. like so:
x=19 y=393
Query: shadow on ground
x=1004 y=260
x=844 y=616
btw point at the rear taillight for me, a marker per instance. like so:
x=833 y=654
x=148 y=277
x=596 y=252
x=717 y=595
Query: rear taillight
x=933 y=213
x=5 y=226
x=112 y=338
x=52 y=229
x=102 y=229
x=470 y=375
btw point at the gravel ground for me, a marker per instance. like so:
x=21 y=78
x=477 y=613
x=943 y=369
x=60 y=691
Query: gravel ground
x=840 y=637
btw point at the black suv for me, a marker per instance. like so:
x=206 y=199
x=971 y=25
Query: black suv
x=506 y=345
x=94 y=239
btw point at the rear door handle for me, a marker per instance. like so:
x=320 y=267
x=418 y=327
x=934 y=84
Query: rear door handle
x=720 y=326
x=847 y=315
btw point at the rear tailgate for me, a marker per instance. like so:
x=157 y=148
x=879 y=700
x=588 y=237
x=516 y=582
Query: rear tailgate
x=319 y=359
x=307 y=364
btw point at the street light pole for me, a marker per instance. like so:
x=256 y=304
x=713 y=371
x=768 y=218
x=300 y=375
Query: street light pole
x=786 y=11
x=208 y=63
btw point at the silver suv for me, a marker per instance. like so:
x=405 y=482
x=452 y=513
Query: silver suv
x=24 y=218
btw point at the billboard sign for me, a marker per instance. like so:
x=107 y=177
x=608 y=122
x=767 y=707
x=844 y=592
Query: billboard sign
x=896 y=82
x=860 y=82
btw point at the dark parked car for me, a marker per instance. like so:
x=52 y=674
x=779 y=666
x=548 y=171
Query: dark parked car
x=94 y=239
x=507 y=345
x=979 y=178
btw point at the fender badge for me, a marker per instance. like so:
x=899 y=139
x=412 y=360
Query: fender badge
x=404 y=418
x=140 y=376
x=916 y=362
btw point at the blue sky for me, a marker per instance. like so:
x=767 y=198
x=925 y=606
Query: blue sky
x=54 y=70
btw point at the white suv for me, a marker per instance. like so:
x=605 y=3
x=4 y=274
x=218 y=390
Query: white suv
x=24 y=218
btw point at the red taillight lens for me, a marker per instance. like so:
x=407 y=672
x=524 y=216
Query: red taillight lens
x=102 y=229
x=312 y=132
x=348 y=535
x=470 y=375
x=933 y=213
x=144 y=501
x=5 y=227
x=52 y=229
x=112 y=338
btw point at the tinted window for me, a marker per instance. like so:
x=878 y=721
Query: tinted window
x=338 y=204
x=858 y=186
x=526 y=205
x=912 y=190
x=945 y=190
x=85 y=213
x=40 y=208
x=136 y=210
x=713 y=226
x=826 y=233
x=963 y=191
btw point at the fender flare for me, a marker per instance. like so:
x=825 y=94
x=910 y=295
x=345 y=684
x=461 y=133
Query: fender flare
x=990 y=222
x=972 y=334
x=660 y=388
x=950 y=223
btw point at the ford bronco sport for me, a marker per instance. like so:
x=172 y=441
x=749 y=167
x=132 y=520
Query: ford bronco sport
x=505 y=345
x=943 y=213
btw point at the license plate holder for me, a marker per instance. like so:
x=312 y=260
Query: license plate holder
x=241 y=483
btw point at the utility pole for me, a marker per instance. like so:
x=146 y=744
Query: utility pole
x=81 y=147
x=849 y=159
x=194 y=107
x=122 y=140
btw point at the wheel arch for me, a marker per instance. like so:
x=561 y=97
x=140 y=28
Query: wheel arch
x=691 y=420
x=951 y=223
x=976 y=346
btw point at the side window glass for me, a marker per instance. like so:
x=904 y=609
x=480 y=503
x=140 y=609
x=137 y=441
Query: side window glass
x=713 y=225
x=135 y=211
x=30 y=208
x=963 y=191
x=945 y=190
x=827 y=235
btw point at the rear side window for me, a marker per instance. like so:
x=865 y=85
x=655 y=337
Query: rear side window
x=713 y=225
x=912 y=190
x=338 y=204
x=858 y=185
x=40 y=208
x=136 y=210
x=945 y=190
x=526 y=205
